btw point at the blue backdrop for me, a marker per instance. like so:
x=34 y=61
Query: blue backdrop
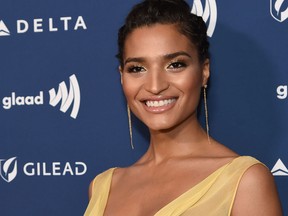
x=60 y=55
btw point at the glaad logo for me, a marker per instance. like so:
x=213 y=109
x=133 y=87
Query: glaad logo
x=62 y=94
x=279 y=9
x=14 y=100
x=281 y=92
x=3 y=29
x=67 y=99
x=8 y=169
x=208 y=14
x=39 y=25
x=279 y=169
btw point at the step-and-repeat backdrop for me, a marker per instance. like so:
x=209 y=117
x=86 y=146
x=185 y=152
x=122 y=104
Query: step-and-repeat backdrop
x=63 y=115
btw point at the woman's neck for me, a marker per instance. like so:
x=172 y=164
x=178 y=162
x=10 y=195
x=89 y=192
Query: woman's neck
x=179 y=141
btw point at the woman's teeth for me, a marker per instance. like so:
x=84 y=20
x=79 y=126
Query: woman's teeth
x=159 y=103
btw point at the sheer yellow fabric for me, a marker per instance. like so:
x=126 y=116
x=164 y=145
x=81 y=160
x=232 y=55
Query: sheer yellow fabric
x=214 y=196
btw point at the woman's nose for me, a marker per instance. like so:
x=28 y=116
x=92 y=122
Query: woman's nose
x=156 y=82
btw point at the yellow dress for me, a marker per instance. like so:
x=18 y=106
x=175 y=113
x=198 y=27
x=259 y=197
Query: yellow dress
x=214 y=196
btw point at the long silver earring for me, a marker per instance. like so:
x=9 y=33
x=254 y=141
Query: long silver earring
x=130 y=126
x=206 y=112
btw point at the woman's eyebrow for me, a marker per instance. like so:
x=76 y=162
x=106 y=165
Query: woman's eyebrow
x=136 y=59
x=176 y=54
x=166 y=56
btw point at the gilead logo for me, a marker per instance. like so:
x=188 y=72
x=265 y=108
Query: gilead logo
x=9 y=169
x=68 y=99
x=54 y=169
x=279 y=9
x=39 y=25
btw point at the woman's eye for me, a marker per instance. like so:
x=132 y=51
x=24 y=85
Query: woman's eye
x=176 y=65
x=136 y=69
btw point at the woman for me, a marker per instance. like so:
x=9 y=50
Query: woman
x=164 y=65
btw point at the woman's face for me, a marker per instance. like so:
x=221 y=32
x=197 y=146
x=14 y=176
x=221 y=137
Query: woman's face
x=162 y=76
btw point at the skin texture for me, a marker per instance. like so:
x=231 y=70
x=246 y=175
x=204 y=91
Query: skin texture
x=161 y=63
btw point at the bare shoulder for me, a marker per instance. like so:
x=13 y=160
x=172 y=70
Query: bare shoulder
x=257 y=194
x=221 y=150
x=119 y=173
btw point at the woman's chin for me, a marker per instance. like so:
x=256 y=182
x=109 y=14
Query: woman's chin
x=160 y=127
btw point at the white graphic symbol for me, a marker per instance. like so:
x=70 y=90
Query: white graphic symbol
x=278 y=11
x=279 y=169
x=3 y=29
x=208 y=14
x=8 y=169
x=67 y=99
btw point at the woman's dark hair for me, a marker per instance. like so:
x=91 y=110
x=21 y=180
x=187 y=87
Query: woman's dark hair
x=177 y=12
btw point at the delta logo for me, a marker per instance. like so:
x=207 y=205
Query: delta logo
x=71 y=98
x=279 y=169
x=4 y=31
x=41 y=25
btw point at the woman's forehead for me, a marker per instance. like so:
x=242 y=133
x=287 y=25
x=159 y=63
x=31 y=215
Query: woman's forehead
x=157 y=40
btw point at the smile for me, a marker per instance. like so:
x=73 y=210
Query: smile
x=159 y=103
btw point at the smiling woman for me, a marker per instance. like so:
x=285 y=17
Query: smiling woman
x=164 y=64
x=160 y=76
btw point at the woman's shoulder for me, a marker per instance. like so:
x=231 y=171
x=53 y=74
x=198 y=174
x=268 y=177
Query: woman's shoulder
x=256 y=193
x=257 y=175
x=102 y=178
x=106 y=173
x=246 y=161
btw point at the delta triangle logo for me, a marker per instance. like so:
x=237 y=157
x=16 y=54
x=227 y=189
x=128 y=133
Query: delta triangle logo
x=3 y=29
x=279 y=169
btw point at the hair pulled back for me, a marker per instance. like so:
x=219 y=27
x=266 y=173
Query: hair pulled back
x=150 y=12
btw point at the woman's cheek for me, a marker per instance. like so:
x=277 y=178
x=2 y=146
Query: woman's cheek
x=129 y=89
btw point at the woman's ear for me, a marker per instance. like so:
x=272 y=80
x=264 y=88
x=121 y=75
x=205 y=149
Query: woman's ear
x=205 y=72
x=121 y=73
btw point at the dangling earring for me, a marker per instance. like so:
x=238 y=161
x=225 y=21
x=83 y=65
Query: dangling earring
x=206 y=112
x=130 y=126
